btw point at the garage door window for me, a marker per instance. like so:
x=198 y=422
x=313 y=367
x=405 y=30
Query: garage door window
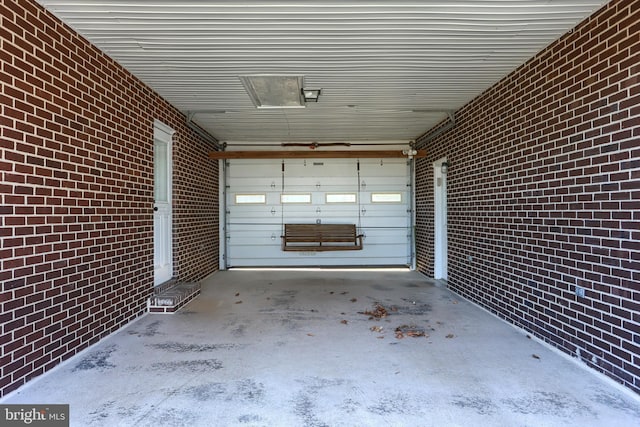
x=295 y=198
x=341 y=198
x=250 y=199
x=386 y=197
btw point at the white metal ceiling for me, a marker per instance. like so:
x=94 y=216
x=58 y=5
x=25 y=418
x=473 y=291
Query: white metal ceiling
x=388 y=70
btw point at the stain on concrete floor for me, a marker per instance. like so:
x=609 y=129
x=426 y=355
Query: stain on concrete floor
x=480 y=405
x=97 y=360
x=395 y=403
x=178 y=347
x=169 y=417
x=547 y=403
x=194 y=365
x=150 y=330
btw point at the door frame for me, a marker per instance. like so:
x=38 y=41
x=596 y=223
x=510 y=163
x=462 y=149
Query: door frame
x=440 y=240
x=226 y=208
x=164 y=133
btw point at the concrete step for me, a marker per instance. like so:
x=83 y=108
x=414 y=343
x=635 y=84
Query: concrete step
x=172 y=296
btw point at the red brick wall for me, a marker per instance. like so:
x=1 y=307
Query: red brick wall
x=76 y=194
x=195 y=209
x=544 y=195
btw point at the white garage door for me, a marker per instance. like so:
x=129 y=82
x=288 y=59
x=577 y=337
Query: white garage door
x=263 y=195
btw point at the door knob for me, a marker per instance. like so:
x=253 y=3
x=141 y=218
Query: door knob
x=155 y=209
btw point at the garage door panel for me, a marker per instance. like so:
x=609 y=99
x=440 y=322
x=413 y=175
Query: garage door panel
x=255 y=229
x=245 y=217
x=248 y=235
x=320 y=167
x=382 y=236
x=264 y=255
x=399 y=209
x=312 y=261
x=253 y=220
x=311 y=213
x=255 y=240
x=382 y=167
x=383 y=255
x=325 y=185
x=324 y=219
x=248 y=168
x=267 y=183
x=376 y=219
x=394 y=182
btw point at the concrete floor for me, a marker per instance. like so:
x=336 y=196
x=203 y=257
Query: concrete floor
x=292 y=348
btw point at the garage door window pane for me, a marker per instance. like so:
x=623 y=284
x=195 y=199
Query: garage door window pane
x=341 y=198
x=386 y=197
x=295 y=198
x=248 y=199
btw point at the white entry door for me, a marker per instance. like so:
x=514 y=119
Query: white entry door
x=162 y=215
x=440 y=220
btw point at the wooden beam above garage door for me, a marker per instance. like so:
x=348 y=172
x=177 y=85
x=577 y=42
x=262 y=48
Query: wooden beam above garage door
x=310 y=154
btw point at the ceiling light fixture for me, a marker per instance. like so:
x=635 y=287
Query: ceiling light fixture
x=444 y=168
x=311 y=95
